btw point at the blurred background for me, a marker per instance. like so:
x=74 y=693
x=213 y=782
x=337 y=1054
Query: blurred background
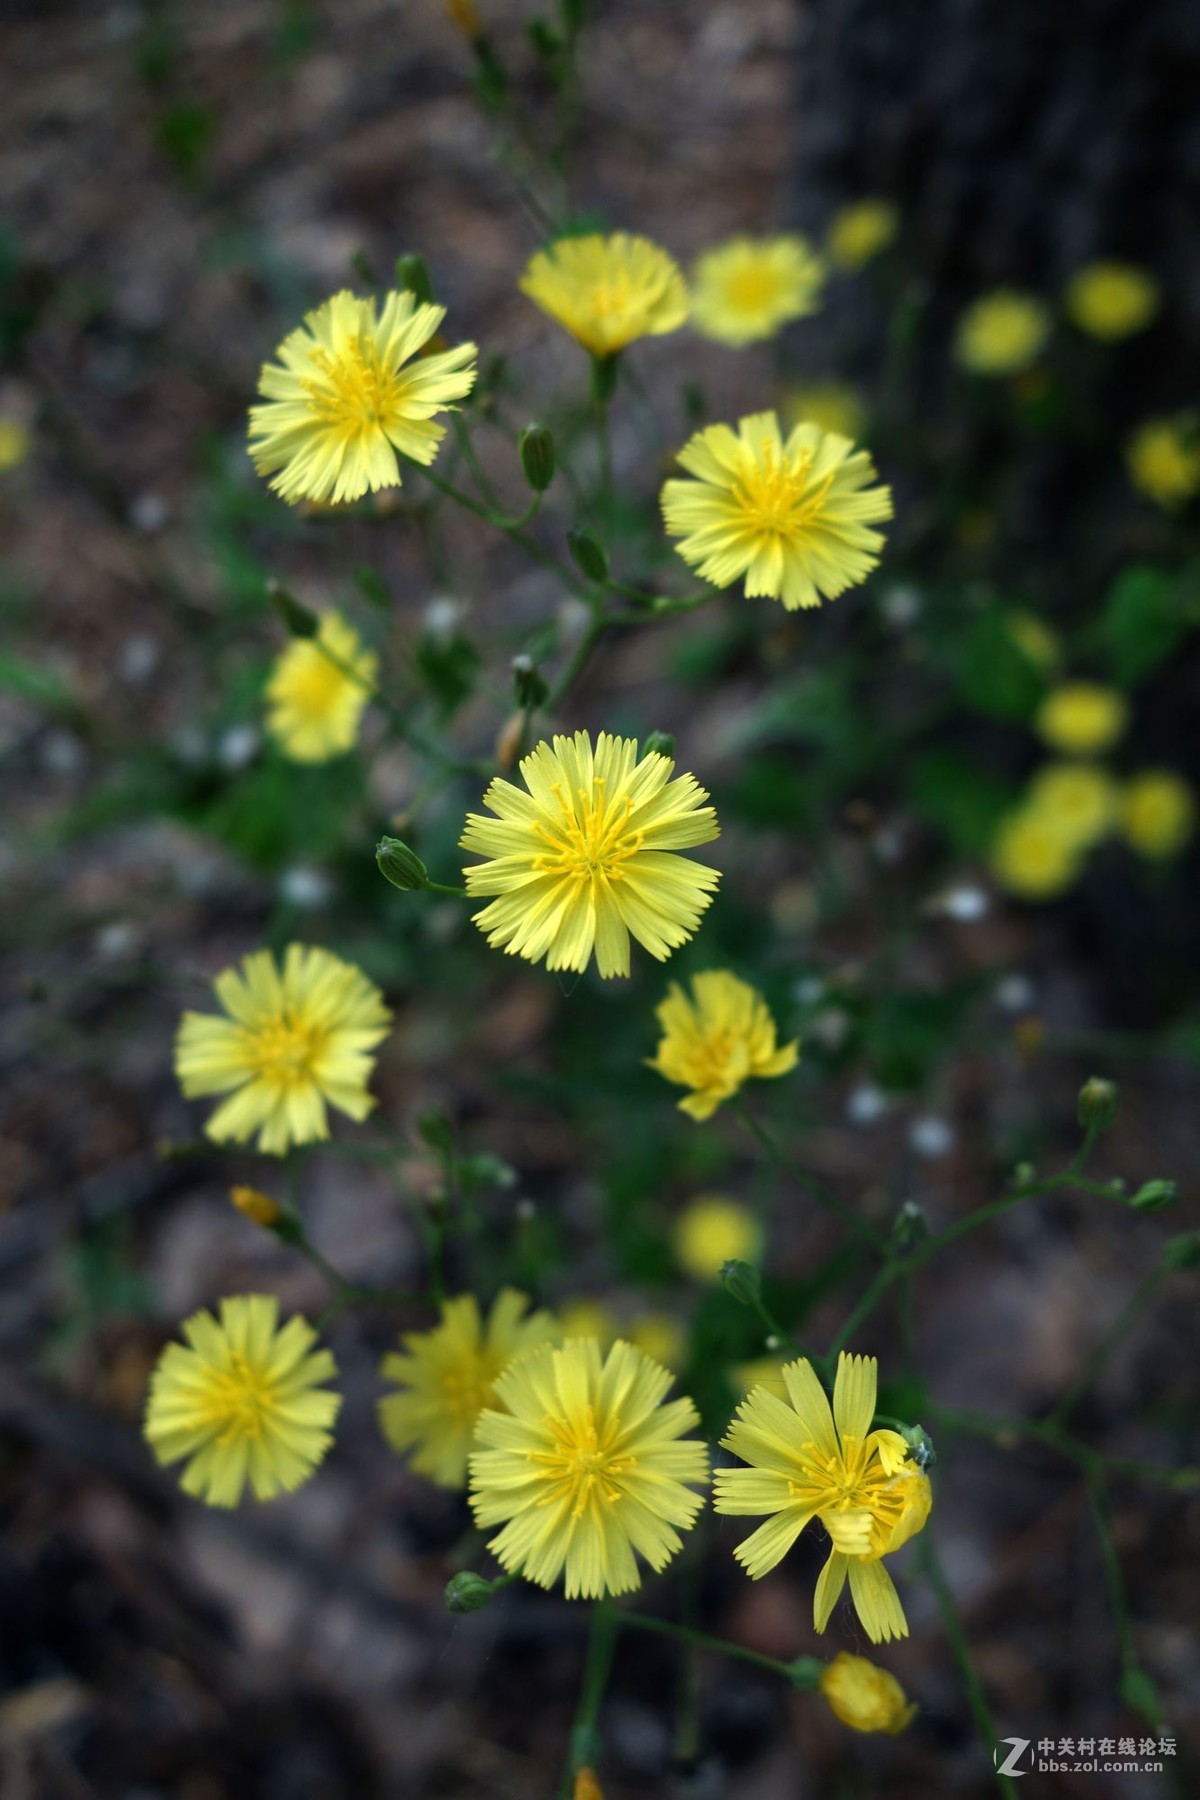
x=179 y=184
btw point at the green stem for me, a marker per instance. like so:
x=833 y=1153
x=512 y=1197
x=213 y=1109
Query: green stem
x=510 y=529
x=1128 y=1316
x=440 y=887
x=1183 y=1478
x=1133 y=1676
x=585 y=1742
x=952 y=1624
x=700 y=1640
x=822 y=1195
x=400 y=725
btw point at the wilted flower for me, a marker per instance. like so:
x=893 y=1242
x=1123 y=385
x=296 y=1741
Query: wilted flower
x=721 y=1038
x=589 y=855
x=340 y=403
x=1112 y=300
x=859 y=232
x=295 y=1039
x=318 y=690
x=586 y=1465
x=1163 y=459
x=1002 y=333
x=607 y=291
x=1082 y=718
x=448 y=1375
x=864 y=1696
x=243 y=1402
x=1158 y=813
x=790 y=516
x=712 y=1231
x=747 y=289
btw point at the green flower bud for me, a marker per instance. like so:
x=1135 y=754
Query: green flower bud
x=537 y=457
x=910 y=1226
x=806 y=1672
x=1152 y=1196
x=743 y=1281
x=589 y=555
x=401 y=866
x=920 y=1445
x=412 y=277
x=659 y=743
x=467 y=1592
x=528 y=686
x=1182 y=1252
x=299 y=620
x=1098 y=1103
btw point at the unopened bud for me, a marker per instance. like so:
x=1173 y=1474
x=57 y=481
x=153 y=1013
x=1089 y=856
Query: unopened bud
x=467 y=1592
x=299 y=620
x=537 y=457
x=660 y=743
x=400 y=865
x=1024 y=1175
x=256 y=1206
x=806 y=1672
x=508 y=740
x=1182 y=1252
x=910 y=1226
x=1098 y=1103
x=588 y=554
x=1152 y=1196
x=743 y=1281
x=528 y=686
x=412 y=277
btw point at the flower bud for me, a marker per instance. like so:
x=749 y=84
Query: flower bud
x=743 y=1281
x=910 y=1226
x=299 y=620
x=1152 y=1196
x=806 y=1672
x=529 y=687
x=1182 y=1252
x=400 y=865
x=537 y=457
x=660 y=743
x=509 y=739
x=864 y=1696
x=589 y=555
x=256 y=1206
x=412 y=277
x=468 y=1592
x=1098 y=1103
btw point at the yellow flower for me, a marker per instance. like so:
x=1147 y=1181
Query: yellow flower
x=806 y=1463
x=660 y=1337
x=448 y=1375
x=607 y=291
x=745 y=290
x=1032 y=858
x=1111 y=300
x=243 y=1403
x=339 y=403
x=587 y=855
x=587 y=1786
x=1075 y=799
x=585 y=1466
x=587 y=1318
x=1001 y=333
x=713 y=1231
x=316 y=700
x=1163 y=459
x=860 y=231
x=256 y=1206
x=294 y=1039
x=723 y=1036
x=15 y=441
x=791 y=516
x=765 y=1372
x=1034 y=639
x=864 y=1696
x=1081 y=718
x=831 y=406
x=1158 y=813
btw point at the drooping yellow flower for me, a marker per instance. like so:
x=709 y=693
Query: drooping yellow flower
x=1163 y=459
x=807 y=1462
x=713 y=1231
x=832 y=406
x=243 y=1402
x=1032 y=858
x=749 y=288
x=864 y=1696
x=607 y=291
x=792 y=516
x=294 y=1040
x=317 y=692
x=585 y=1466
x=448 y=1375
x=1002 y=333
x=1112 y=300
x=1034 y=639
x=720 y=1038
x=1077 y=800
x=860 y=231
x=1158 y=813
x=588 y=856
x=340 y=402
x=1082 y=718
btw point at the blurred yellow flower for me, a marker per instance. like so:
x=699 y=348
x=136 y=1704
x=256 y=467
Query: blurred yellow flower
x=317 y=691
x=1082 y=718
x=1111 y=300
x=1077 y=800
x=660 y=1337
x=808 y=1462
x=15 y=442
x=720 y=1038
x=765 y=1372
x=831 y=406
x=588 y=856
x=713 y=1231
x=747 y=289
x=859 y=232
x=1163 y=459
x=1034 y=639
x=587 y=1318
x=1158 y=813
x=587 y=1787
x=243 y=1402
x=864 y=1696
x=1002 y=333
x=1032 y=858
x=447 y=1376
x=790 y=516
x=586 y=1465
x=294 y=1039
x=340 y=403
x=607 y=291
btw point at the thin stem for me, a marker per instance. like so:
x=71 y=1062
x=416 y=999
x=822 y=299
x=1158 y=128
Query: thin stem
x=462 y=436
x=1132 y=1673
x=1128 y=1316
x=822 y=1195
x=585 y=1743
x=879 y=1286
x=579 y=658
x=952 y=1624
x=1183 y=1478
x=700 y=1640
x=400 y=725
x=511 y=530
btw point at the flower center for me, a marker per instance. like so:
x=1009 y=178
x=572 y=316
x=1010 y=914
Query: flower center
x=315 y=685
x=777 y=493
x=284 y=1049
x=352 y=390
x=750 y=290
x=719 y=1056
x=466 y=1389
x=237 y=1402
x=589 y=841
x=581 y=1466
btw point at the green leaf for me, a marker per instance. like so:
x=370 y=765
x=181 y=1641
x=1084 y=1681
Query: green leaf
x=959 y=798
x=993 y=675
x=1143 y=622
